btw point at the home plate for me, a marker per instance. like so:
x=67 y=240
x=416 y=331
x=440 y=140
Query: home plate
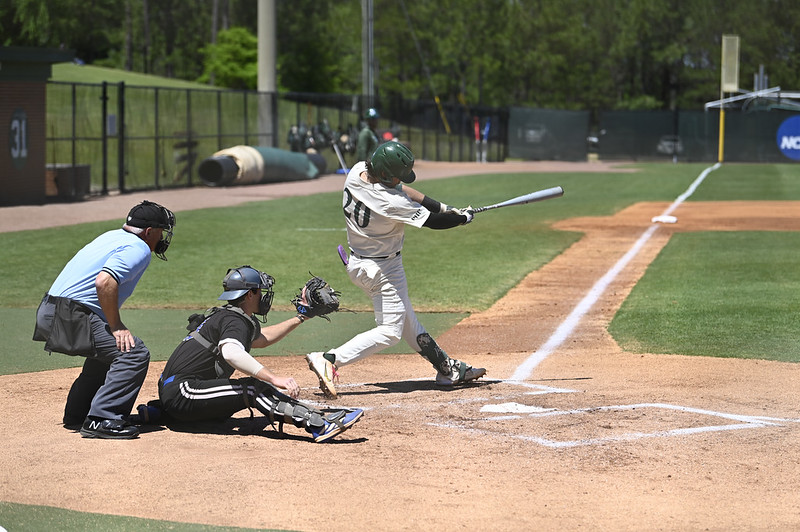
x=664 y=219
x=514 y=408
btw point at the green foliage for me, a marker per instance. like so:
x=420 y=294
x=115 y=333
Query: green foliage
x=569 y=54
x=309 y=62
x=233 y=61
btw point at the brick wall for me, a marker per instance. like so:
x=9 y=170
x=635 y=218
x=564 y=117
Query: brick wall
x=22 y=142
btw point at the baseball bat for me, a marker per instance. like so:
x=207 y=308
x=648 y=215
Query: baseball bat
x=539 y=195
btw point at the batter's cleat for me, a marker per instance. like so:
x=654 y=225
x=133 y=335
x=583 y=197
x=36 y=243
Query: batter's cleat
x=337 y=423
x=325 y=372
x=460 y=373
x=110 y=429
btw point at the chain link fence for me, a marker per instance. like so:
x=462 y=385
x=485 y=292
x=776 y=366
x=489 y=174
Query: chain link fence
x=126 y=138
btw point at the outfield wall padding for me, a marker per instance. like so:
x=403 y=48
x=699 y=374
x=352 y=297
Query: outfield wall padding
x=248 y=165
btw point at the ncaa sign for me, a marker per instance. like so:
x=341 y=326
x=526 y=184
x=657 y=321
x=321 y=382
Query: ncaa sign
x=789 y=138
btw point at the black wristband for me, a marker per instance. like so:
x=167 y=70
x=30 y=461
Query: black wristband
x=431 y=204
x=301 y=318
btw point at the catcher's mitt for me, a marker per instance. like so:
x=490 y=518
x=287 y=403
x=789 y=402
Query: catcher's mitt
x=316 y=298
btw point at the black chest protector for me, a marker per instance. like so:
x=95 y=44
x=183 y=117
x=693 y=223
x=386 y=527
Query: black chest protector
x=196 y=322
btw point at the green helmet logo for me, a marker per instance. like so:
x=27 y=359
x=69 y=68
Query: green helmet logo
x=393 y=159
x=371 y=113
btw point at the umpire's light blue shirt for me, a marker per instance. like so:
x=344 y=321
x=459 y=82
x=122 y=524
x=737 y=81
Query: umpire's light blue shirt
x=119 y=253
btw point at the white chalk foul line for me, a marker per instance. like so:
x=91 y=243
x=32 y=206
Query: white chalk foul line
x=566 y=328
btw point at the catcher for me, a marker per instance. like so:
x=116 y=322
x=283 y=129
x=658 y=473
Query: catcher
x=196 y=383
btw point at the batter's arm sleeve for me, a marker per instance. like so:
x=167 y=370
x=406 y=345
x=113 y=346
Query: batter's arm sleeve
x=426 y=201
x=445 y=220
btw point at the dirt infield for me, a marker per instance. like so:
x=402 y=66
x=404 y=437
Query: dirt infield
x=595 y=438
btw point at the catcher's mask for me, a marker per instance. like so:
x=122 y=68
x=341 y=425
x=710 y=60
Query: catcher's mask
x=149 y=214
x=392 y=159
x=239 y=281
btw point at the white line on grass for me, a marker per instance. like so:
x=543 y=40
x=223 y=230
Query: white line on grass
x=568 y=325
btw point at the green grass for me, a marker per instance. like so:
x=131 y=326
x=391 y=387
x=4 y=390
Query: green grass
x=729 y=294
x=723 y=294
x=750 y=182
x=34 y=518
x=451 y=273
x=717 y=294
x=72 y=73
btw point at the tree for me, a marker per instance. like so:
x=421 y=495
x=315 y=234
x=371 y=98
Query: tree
x=569 y=54
x=233 y=60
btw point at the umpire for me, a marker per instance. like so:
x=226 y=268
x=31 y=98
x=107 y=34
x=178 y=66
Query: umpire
x=80 y=315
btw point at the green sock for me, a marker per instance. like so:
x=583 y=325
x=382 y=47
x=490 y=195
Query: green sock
x=330 y=357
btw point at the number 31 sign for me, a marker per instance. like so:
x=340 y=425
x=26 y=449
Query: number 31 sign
x=18 y=138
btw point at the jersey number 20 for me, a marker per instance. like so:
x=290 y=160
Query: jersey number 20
x=358 y=212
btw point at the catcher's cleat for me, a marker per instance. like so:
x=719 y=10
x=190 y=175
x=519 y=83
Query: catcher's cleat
x=325 y=371
x=336 y=424
x=460 y=373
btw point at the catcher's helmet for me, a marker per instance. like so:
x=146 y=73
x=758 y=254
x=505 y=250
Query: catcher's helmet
x=392 y=159
x=150 y=214
x=239 y=281
x=371 y=113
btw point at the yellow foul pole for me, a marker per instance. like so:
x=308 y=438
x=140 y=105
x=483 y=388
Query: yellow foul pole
x=729 y=74
x=721 y=153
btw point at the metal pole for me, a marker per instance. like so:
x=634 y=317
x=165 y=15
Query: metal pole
x=266 y=69
x=104 y=142
x=157 y=139
x=367 y=55
x=121 y=136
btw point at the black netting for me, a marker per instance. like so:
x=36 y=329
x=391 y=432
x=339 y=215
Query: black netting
x=547 y=134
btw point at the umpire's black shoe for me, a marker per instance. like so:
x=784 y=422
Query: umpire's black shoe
x=111 y=429
x=71 y=423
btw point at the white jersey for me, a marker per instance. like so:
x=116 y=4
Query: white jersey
x=376 y=215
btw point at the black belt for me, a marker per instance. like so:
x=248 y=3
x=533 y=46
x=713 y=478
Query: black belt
x=393 y=255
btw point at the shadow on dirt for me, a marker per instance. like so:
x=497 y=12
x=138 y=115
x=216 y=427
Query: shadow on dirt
x=376 y=388
x=256 y=426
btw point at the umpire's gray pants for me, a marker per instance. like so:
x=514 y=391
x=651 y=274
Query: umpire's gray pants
x=110 y=381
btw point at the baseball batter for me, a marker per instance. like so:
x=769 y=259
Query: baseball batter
x=378 y=205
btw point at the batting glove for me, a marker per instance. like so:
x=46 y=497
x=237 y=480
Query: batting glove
x=466 y=211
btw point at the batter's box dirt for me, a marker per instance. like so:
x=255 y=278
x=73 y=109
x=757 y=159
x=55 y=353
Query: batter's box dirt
x=605 y=424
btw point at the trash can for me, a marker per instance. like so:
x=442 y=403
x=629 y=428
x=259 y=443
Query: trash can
x=67 y=181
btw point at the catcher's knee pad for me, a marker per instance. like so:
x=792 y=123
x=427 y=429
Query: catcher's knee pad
x=434 y=354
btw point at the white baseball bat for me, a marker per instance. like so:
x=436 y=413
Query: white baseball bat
x=539 y=195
